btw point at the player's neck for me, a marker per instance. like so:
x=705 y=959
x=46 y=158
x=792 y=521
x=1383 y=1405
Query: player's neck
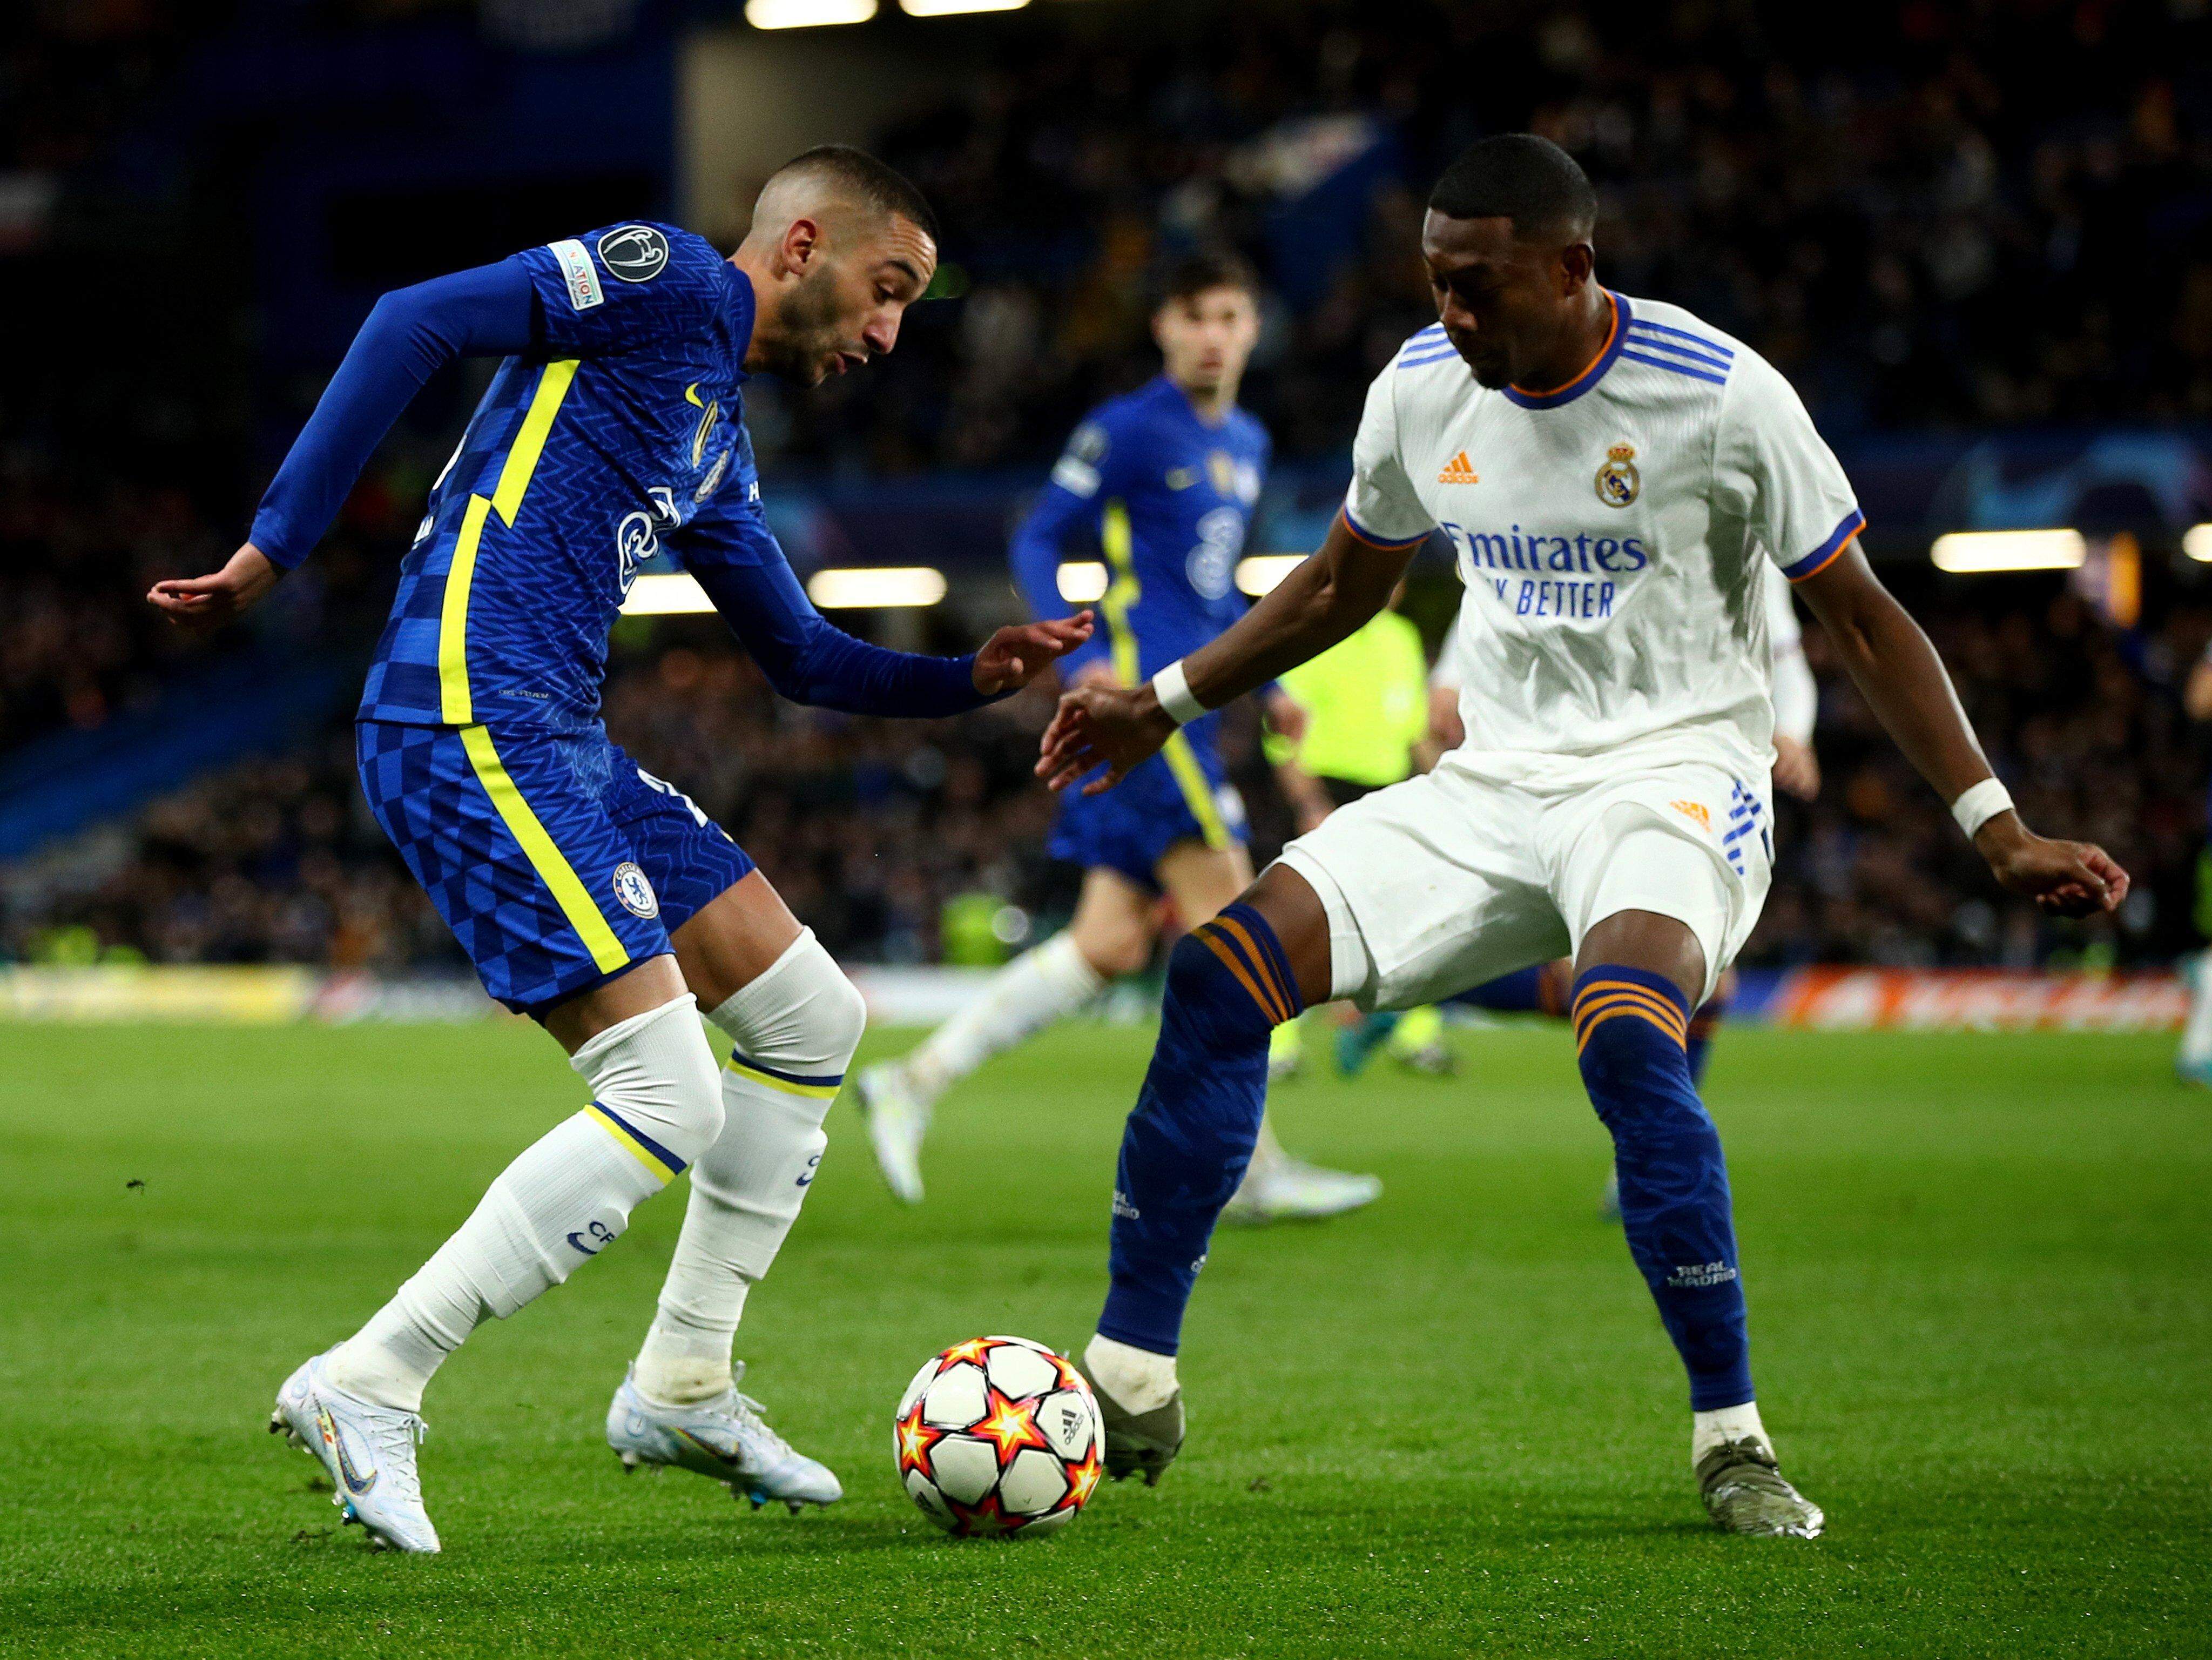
x=759 y=265
x=1211 y=405
x=1583 y=337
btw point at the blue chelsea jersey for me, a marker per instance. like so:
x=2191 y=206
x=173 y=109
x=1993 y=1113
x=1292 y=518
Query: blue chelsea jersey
x=621 y=427
x=1170 y=497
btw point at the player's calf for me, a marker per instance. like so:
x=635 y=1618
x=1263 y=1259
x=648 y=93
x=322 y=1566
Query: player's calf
x=795 y=1027
x=655 y=1106
x=1630 y=1033
x=1186 y=1146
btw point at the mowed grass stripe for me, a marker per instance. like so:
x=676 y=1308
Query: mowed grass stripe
x=1978 y=1270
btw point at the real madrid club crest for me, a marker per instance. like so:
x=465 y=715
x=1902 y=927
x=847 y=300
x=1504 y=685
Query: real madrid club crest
x=1617 y=481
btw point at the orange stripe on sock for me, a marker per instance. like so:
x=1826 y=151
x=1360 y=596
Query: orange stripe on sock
x=1658 y=1008
x=1598 y=988
x=1660 y=1015
x=1618 y=1012
x=1230 y=926
x=1214 y=943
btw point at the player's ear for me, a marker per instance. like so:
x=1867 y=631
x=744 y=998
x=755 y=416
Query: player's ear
x=801 y=243
x=1578 y=264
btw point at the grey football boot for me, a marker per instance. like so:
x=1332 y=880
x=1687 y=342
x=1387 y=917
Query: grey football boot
x=1137 y=1443
x=1744 y=1492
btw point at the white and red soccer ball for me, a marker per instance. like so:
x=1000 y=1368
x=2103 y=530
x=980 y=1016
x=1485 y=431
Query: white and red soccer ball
x=999 y=1435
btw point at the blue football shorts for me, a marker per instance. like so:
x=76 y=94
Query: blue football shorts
x=1181 y=794
x=558 y=861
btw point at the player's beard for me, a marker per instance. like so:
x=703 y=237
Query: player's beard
x=809 y=331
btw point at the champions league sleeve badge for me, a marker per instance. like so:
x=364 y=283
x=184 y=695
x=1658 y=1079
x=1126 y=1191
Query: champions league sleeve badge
x=634 y=253
x=1618 y=483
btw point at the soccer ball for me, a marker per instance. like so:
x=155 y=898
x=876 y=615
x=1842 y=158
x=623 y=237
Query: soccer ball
x=999 y=1435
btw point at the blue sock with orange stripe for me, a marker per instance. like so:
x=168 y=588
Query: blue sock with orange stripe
x=1630 y=1033
x=1190 y=1137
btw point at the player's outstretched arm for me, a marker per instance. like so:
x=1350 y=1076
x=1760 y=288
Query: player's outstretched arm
x=809 y=659
x=1899 y=674
x=1320 y=602
x=409 y=334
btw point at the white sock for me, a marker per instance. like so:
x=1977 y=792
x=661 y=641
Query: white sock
x=2197 y=1034
x=569 y=1195
x=1709 y=1429
x=1138 y=1379
x=795 y=1027
x=1037 y=988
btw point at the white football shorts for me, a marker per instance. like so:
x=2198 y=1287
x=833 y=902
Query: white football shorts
x=1448 y=880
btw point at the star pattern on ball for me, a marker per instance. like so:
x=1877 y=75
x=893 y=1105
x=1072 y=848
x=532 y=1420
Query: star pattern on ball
x=1082 y=1481
x=916 y=1438
x=1008 y=1425
x=974 y=1351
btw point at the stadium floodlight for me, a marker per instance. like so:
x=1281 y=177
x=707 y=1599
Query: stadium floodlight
x=1082 y=580
x=2197 y=543
x=806 y=14
x=1259 y=574
x=1974 y=551
x=670 y=595
x=875 y=587
x=948 y=7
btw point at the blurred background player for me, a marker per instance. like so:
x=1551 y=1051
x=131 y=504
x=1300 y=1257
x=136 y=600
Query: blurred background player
x=1365 y=726
x=590 y=895
x=1166 y=479
x=1544 y=988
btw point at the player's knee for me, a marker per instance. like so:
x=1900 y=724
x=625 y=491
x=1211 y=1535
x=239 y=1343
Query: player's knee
x=801 y=1018
x=656 y=1073
x=1227 y=976
x=842 y=1019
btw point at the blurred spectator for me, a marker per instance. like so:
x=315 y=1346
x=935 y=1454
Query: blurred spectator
x=1938 y=215
x=872 y=829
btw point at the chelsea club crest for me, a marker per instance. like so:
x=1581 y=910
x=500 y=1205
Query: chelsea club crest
x=1617 y=481
x=635 y=891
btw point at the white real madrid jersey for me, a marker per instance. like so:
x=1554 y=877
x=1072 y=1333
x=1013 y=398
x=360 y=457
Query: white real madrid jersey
x=1611 y=533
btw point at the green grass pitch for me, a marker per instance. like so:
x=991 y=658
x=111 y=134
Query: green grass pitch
x=1980 y=1273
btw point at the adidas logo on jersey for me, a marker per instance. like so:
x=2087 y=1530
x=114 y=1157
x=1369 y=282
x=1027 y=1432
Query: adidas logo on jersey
x=1459 y=471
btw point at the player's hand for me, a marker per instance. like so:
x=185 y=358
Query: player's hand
x=2065 y=878
x=1796 y=770
x=196 y=604
x=1097 y=672
x=1286 y=717
x=1112 y=727
x=1013 y=657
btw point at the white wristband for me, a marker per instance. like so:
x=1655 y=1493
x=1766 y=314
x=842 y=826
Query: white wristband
x=1977 y=806
x=1174 y=692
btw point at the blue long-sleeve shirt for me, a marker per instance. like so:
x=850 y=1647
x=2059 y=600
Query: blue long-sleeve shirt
x=614 y=425
x=1168 y=497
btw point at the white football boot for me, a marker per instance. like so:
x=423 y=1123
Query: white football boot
x=1286 y=1190
x=897 y=1119
x=369 y=1451
x=724 y=1439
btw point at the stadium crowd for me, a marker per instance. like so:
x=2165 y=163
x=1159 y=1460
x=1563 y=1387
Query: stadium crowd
x=1958 y=215
x=872 y=828
x=1940 y=215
